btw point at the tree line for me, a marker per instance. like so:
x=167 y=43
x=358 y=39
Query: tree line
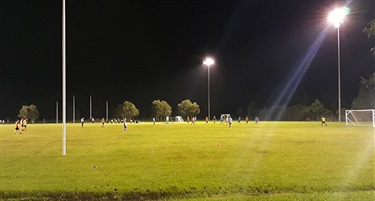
x=161 y=109
x=313 y=112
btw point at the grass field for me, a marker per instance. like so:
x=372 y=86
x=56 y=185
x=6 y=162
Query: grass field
x=269 y=161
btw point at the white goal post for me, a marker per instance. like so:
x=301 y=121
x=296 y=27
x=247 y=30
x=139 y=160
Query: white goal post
x=360 y=117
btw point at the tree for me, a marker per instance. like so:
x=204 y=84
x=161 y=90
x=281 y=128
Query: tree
x=167 y=109
x=240 y=111
x=371 y=32
x=316 y=110
x=126 y=110
x=295 y=113
x=273 y=113
x=365 y=98
x=370 y=83
x=23 y=112
x=252 y=110
x=187 y=108
x=29 y=112
x=161 y=109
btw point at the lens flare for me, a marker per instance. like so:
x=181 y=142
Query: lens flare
x=292 y=81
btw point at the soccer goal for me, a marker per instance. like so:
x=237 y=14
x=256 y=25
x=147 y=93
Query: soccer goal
x=175 y=119
x=360 y=117
x=179 y=119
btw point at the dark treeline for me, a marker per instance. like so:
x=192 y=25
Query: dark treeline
x=160 y=109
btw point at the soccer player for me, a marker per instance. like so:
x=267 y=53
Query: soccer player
x=206 y=120
x=16 y=129
x=102 y=122
x=214 y=119
x=82 y=121
x=230 y=121
x=247 y=120
x=21 y=123
x=239 y=119
x=153 y=120
x=125 y=125
x=323 y=121
x=256 y=120
x=24 y=124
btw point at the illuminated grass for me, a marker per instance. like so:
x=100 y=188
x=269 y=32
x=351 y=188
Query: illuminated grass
x=269 y=161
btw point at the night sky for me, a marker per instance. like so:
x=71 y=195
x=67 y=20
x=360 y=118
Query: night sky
x=144 y=50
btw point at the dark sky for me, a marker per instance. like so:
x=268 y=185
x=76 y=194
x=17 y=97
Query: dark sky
x=144 y=50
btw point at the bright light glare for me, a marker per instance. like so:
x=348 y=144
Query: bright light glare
x=336 y=17
x=208 y=62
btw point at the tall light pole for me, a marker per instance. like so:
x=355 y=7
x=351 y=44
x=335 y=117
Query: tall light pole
x=208 y=62
x=74 y=109
x=106 y=111
x=64 y=79
x=336 y=17
x=57 y=112
x=90 y=108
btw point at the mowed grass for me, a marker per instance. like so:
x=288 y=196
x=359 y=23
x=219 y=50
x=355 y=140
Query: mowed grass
x=269 y=161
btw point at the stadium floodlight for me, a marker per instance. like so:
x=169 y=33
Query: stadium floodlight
x=208 y=62
x=336 y=17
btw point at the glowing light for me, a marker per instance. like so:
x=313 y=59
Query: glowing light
x=208 y=62
x=336 y=17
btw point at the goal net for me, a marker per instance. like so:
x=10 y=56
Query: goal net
x=175 y=119
x=360 y=117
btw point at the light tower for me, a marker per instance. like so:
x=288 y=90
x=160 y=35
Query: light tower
x=208 y=62
x=336 y=17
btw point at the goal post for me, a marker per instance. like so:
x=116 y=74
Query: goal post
x=360 y=117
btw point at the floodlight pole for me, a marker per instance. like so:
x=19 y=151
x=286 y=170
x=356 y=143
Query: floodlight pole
x=74 y=109
x=337 y=17
x=106 y=109
x=339 y=73
x=64 y=80
x=90 y=108
x=208 y=78
x=208 y=62
x=57 y=112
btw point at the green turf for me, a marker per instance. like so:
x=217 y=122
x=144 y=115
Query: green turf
x=269 y=161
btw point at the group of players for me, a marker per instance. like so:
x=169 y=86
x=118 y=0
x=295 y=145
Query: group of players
x=23 y=123
x=227 y=119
